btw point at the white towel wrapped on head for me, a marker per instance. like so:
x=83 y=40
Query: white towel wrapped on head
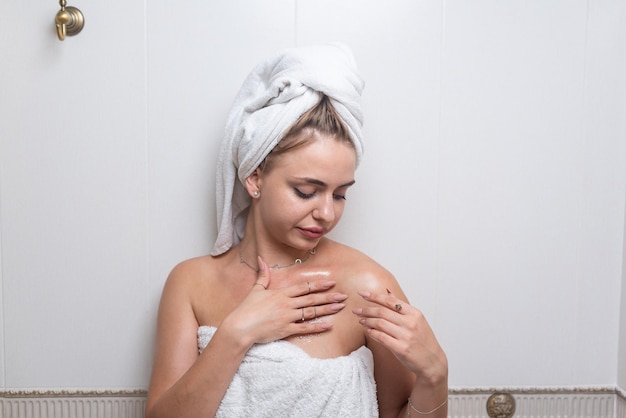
x=275 y=94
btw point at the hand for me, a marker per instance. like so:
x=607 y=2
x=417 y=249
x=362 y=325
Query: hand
x=403 y=330
x=267 y=315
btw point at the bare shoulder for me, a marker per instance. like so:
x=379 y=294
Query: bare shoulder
x=187 y=281
x=360 y=271
x=196 y=273
x=189 y=272
x=206 y=287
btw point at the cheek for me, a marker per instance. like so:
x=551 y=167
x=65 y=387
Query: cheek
x=339 y=212
x=280 y=207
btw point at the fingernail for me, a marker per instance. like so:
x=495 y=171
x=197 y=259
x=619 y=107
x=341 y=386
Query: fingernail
x=357 y=311
x=337 y=306
x=340 y=297
x=364 y=294
x=327 y=283
x=325 y=325
x=261 y=263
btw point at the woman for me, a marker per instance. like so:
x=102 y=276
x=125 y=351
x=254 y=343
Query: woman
x=280 y=320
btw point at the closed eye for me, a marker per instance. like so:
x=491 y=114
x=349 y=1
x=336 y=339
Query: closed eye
x=303 y=195
x=339 y=192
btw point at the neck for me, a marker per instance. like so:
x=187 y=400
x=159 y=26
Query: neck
x=248 y=257
x=275 y=256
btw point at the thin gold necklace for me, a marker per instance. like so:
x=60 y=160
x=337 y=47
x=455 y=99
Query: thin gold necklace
x=277 y=266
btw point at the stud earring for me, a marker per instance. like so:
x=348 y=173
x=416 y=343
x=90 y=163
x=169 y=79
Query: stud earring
x=256 y=193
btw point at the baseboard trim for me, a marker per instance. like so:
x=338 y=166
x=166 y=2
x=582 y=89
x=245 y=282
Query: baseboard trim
x=72 y=403
x=538 y=390
x=530 y=402
x=541 y=402
x=73 y=393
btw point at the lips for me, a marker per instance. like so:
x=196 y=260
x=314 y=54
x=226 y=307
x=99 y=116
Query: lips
x=313 y=232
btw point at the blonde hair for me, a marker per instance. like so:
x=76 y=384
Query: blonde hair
x=321 y=119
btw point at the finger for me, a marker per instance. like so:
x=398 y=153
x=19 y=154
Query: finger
x=408 y=344
x=319 y=300
x=391 y=342
x=305 y=288
x=398 y=305
x=308 y=313
x=330 y=309
x=263 y=277
x=389 y=301
x=381 y=324
x=300 y=316
x=315 y=327
x=378 y=317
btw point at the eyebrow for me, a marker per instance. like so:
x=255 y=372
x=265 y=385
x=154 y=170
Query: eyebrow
x=321 y=183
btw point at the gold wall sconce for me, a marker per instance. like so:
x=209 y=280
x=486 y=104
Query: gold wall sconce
x=69 y=21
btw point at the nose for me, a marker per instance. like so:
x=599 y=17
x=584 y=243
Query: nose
x=325 y=209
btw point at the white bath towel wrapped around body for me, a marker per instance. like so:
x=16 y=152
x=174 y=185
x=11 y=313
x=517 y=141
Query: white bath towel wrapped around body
x=279 y=379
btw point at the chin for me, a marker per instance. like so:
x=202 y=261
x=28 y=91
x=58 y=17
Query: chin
x=307 y=245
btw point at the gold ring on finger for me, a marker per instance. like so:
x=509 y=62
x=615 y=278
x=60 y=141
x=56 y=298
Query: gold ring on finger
x=309 y=286
x=302 y=320
x=314 y=312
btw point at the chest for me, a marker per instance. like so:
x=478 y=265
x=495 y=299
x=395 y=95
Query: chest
x=214 y=303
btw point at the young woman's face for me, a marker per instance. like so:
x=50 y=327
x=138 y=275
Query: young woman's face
x=302 y=196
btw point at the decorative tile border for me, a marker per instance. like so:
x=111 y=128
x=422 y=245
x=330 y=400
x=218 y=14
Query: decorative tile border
x=620 y=405
x=571 y=402
x=67 y=393
x=72 y=403
x=574 y=402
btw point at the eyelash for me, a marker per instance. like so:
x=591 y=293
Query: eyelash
x=310 y=195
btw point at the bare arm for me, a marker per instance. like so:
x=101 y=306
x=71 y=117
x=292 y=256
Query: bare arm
x=183 y=381
x=409 y=363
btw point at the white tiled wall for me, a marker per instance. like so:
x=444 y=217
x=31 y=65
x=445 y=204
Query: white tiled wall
x=495 y=150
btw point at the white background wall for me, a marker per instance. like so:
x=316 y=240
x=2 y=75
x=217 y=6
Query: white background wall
x=493 y=184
